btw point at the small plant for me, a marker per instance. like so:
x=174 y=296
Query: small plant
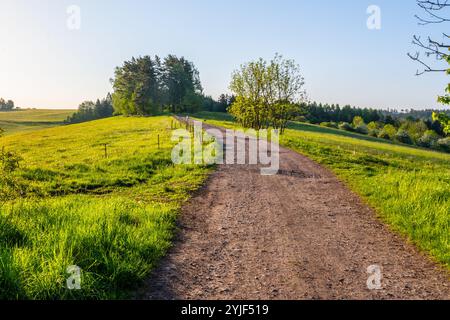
x=10 y=189
x=9 y=162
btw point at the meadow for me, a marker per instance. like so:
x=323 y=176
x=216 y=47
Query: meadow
x=113 y=215
x=32 y=119
x=408 y=187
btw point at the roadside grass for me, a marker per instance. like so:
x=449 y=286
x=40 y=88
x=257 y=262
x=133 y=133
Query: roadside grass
x=113 y=217
x=32 y=119
x=408 y=187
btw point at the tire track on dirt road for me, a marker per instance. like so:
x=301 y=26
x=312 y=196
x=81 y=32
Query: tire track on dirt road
x=300 y=234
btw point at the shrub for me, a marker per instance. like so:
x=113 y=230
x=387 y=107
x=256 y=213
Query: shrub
x=346 y=126
x=444 y=144
x=388 y=132
x=372 y=126
x=358 y=121
x=300 y=119
x=429 y=139
x=9 y=162
x=384 y=135
x=403 y=137
x=415 y=129
x=362 y=128
x=330 y=125
x=374 y=133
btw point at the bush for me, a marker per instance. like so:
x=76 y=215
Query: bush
x=372 y=126
x=300 y=119
x=374 y=133
x=444 y=144
x=9 y=162
x=388 y=132
x=362 y=129
x=429 y=139
x=415 y=129
x=384 y=135
x=346 y=126
x=330 y=125
x=403 y=137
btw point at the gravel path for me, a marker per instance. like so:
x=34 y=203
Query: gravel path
x=300 y=234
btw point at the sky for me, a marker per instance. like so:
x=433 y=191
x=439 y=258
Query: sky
x=46 y=64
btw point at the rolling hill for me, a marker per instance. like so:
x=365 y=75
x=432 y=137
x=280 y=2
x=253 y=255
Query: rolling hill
x=32 y=119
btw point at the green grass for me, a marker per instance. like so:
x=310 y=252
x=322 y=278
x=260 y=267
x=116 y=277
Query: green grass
x=32 y=119
x=113 y=217
x=409 y=187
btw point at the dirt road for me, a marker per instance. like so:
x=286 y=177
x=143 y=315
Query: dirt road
x=300 y=234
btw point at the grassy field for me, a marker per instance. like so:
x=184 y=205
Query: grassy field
x=113 y=217
x=32 y=119
x=409 y=187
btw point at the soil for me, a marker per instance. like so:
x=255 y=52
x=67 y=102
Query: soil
x=300 y=234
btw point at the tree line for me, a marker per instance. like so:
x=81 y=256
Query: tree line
x=317 y=113
x=6 y=105
x=88 y=110
x=430 y=133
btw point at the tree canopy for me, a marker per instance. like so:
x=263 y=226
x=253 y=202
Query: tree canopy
x=146 y=86
x=267 y=93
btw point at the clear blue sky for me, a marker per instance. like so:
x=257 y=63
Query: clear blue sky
x=43 y=64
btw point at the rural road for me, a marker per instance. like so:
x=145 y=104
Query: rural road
x=300 y=234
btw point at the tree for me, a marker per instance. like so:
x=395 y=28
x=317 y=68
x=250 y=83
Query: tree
x=145 y=85
x=415 y=129
x=182 y=81
x=358 y=121
x=267 y=93
x=89 y=110
x=445 y=99
x=6 y=105
x=444 y=120
x=388 y=132
x=436 y=12
x=136 y=88
x=248 y=83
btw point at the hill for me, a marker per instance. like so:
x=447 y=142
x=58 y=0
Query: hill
x=111 y=216
x=32 y=119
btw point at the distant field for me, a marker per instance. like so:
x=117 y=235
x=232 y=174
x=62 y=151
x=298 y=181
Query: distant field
x=409 y=187
x=32 y=119
x=113 y=217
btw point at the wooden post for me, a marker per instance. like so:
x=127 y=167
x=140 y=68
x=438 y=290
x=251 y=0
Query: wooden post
x=106 y=151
